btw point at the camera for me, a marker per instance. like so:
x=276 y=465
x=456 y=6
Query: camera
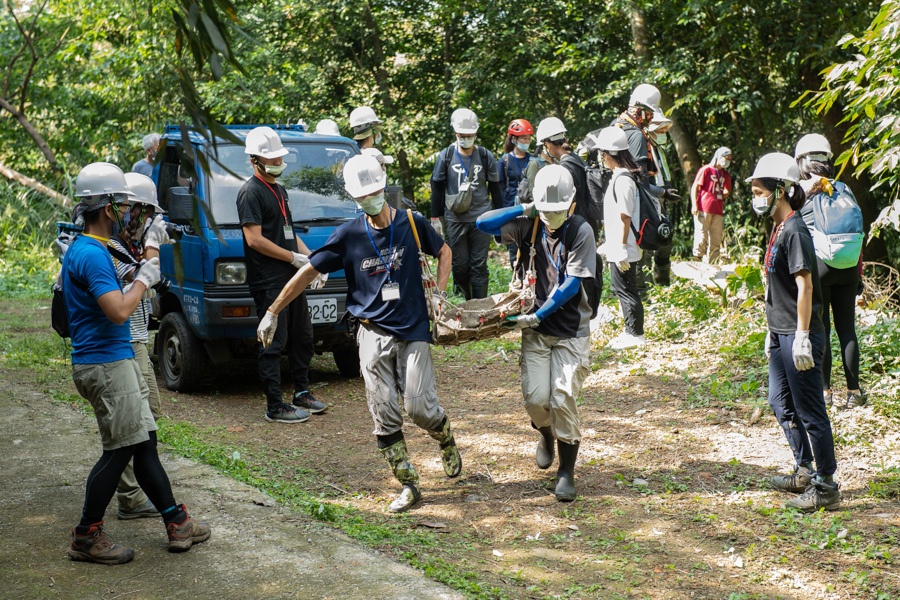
x=173 y=231
x=161 y=287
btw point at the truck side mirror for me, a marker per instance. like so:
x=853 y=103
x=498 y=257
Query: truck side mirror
x=181 y=205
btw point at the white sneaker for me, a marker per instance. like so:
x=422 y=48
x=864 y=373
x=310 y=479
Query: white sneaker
x=625 y=341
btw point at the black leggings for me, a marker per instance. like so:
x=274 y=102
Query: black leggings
x=839 y=288
x=149 y=472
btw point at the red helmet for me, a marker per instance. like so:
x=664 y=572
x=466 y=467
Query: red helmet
x=520 y=127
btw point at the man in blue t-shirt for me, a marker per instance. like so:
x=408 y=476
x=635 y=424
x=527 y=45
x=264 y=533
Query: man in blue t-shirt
x=106 y=374
x=379 y=253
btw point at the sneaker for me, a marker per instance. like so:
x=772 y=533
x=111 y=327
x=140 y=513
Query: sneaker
x=307 y=402
x=189 y=532
x=794 y=483
x=287 y=414
x=829 y=399
x=855 y=399
x=407 y=498
x=817 y=495
x=96 y=546
x=626 y=341
x=144 y=511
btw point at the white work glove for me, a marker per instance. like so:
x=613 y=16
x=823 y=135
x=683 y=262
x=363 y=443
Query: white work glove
x=768 y=343
x=528 y=210
x=156 y=234
x=299 y=260
x=436 y=223
x=618 y=255
x=523 y=321
x=802 y=351
x=438 y=297
x=265 y=333
x=319 y=282
x=148 y=273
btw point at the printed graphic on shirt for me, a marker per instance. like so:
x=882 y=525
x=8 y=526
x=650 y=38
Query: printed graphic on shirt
x=375 y=265
x=460 y=171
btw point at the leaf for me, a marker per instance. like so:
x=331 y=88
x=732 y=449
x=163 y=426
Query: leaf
x=432 y=525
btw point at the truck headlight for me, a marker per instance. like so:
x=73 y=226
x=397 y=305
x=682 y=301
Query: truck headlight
x=231 y=273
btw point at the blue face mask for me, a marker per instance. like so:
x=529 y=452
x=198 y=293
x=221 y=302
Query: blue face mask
x=378 y=137
x=523 y=147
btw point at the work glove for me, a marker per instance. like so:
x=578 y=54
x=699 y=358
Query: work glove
x=529 y=210
x=299 y=260
x=522 y=321
x=618 y=255
x=802 y=351
x=265 y=333
x=672 y=194
x=436 y=223
x=156 y=234
x=319 y=282
x=768 y=343
x=438 y=297
x=148 y=273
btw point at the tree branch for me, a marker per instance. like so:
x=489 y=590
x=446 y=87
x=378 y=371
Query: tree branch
x=62 y=199
x=30 y=129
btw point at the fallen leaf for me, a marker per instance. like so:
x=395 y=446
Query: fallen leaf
x=234 y=429
x=433 y=525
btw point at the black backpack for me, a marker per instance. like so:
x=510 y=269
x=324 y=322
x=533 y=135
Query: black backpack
x=585 y=205
x=59 y=316
x=598 y=179
x=654 y=230
x=592 y=286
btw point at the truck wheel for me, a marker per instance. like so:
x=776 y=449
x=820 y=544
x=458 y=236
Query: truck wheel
x=180 y=354
x=347 y=361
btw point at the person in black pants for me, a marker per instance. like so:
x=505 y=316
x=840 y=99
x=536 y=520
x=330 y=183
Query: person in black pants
x=795 y=340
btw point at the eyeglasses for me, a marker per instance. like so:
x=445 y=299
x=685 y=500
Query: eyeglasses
x=559 y=142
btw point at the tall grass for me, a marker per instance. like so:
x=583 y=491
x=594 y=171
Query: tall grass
x=27 y=230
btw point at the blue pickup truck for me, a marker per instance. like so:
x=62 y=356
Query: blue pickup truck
x=211 y=317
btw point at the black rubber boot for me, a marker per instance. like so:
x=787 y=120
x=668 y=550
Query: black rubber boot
x=565 y=476
x=479 y=291
x=546 y=448
x=662 y=274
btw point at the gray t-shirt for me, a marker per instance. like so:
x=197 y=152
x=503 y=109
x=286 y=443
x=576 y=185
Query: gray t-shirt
x=457 y=170
x=572 y=319
x=143 y=167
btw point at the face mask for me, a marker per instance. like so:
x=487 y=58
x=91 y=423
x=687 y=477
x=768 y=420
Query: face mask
x=522 y=146
x=378 y=138
x=761 y=205
x=466 y=143
x=275 y=170
x=372 y=205
x=554 y=220
x=725 y=162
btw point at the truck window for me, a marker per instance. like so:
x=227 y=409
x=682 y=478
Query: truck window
x=312 y=178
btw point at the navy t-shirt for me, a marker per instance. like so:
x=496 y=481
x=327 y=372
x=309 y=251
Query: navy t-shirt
x=350 y=248
x=790 y=252
x=511 y=171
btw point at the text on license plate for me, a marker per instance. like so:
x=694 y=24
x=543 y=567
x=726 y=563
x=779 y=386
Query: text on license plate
x=323 y=310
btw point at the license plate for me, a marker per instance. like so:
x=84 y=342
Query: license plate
x=323 y=310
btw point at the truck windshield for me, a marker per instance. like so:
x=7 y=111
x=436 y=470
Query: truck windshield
x=312 y=178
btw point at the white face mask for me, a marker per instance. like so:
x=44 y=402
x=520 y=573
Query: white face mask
x=372 y=205
x=466 y=143
x=275 y=170
x=761 y=204
x=554 y=220
x=725 y=162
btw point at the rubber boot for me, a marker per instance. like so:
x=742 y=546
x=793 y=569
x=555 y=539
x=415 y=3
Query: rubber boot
x=662 y=274
x=565 y=476
x=546 y=448
x=450 y=457
x=398 y=458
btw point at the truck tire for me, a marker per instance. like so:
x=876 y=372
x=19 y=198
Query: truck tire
x=180 y=353
x=347 y=361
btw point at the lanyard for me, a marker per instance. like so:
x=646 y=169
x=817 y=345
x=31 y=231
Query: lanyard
x=98 y=238
x=471 y=158
x=387 y=265
x=278 y=197
x=772 y=239
x=558 y=263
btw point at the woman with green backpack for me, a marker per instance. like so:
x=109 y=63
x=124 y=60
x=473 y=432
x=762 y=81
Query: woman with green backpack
x=836 y=224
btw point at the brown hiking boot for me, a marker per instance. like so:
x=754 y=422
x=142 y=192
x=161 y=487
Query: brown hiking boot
x=187 y=533
x=96 y=546
x=794 y=483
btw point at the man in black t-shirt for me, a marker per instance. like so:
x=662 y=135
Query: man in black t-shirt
x=274 y=253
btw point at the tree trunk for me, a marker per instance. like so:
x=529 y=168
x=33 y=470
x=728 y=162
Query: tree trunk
x=30 y=129
x=35 y=185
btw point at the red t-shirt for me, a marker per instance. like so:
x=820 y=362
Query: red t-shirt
x=711 y=185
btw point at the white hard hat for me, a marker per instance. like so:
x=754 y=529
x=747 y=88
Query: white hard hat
x=554 y=189
x=645 y=95
x=612 y=140
x=550 y=128
x=464 y=121
x=327 y=127
x=144 y=190
x=813 y=143
x=98 y=181
x=776 y=165
x=381 y=158
x=263 y=141
x=362 y=118
x=363 y=176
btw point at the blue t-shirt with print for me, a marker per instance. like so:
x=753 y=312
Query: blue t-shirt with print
x=95 y=339
x=350 y=248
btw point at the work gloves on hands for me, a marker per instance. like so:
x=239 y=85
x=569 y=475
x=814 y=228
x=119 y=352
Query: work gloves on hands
x=148 y=273
x=618 y=255
x=672 y=194
x=522 y=321
x=529 y=210
x=299 y=260
x=156 y=234
x=265 y=333
x=802 y=351
x=319 y=282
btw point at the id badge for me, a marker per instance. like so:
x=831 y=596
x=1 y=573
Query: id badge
x=390 y=291
x=288 y=233
x=464 y=186
x=719 y=196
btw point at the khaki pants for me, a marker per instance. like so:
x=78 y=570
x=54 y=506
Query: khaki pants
x=128 y=492
x=707 y=235
x=393 y=369
x=553 y=371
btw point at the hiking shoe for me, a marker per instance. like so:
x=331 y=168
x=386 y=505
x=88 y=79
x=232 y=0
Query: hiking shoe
x=829 y=399
x=182 y=536
x=407 y=498
x=626 y=341
x=794 y=483
x=144 y=511
x=307 y=402
x=854 y=400
x=96 y=546
x=817 y=495
x=287 y=414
